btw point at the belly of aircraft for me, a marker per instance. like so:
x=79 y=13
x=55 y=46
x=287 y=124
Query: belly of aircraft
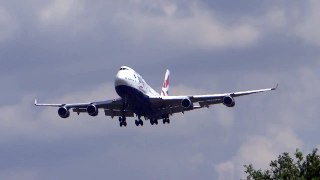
x=138 y=102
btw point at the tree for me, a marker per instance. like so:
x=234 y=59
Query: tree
x=286 y=168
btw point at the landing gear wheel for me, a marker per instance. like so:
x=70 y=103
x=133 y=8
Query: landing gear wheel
x=122 y=121
x=166 y=120
x=140 y=122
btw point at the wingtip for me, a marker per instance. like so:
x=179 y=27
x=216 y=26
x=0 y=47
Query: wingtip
x=275 y=88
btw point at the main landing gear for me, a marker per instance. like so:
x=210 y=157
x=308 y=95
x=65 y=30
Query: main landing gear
x=122 y=121
x=139 y=122
x=154 y=121
x=166 y=120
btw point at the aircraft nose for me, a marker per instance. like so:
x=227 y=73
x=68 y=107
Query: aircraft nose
x=120 y=79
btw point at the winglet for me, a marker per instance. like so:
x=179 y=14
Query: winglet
x=35 y=102
x=275 y=88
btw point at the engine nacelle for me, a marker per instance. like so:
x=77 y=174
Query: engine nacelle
x=63 y=112
x=186 y=103
x=92 y=110
x=228 y=101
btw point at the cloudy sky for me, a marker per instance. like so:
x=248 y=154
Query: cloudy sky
x=69 y=51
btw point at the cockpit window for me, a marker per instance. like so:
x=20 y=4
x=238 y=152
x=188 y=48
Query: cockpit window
x=123 y=69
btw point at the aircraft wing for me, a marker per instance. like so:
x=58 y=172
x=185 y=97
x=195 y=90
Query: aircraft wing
x=173 y=104
x=110 y=107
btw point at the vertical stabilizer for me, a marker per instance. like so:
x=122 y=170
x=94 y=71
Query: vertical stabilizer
x=165 y=86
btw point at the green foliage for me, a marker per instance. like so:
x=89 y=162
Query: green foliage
x=286 y=168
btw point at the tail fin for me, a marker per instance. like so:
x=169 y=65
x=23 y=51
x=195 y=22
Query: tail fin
x=165 y=86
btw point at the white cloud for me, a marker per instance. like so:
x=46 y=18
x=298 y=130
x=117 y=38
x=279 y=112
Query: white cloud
x=225 y=170
x=66 y=16
x=200 y=29
x=155 y=21
x=259 y=150
x=190 y=26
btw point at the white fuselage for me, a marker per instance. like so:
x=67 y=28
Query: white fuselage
x=128 y=78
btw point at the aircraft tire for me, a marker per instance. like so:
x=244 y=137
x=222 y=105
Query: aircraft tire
x=140 y=122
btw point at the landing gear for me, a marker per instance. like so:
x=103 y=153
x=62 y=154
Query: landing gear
x=139 y=122
x=122 y=121
x=166 y=120
x=154 y=121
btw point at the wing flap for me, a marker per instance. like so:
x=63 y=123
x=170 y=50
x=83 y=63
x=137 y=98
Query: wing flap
x=78 y=110
x=178 y=109
x=209 y=102
x=112 y=113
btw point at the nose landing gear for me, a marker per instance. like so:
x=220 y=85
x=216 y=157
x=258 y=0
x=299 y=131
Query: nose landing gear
x=122 y=121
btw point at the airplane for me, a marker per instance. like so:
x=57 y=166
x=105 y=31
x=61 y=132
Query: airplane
x=138 y=98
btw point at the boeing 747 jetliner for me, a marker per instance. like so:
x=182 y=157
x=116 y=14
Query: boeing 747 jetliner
x=138 y=98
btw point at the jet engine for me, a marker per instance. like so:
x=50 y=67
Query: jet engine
x=186 y=103
x=228 y=101
x=63 y=112
x=92 y=110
